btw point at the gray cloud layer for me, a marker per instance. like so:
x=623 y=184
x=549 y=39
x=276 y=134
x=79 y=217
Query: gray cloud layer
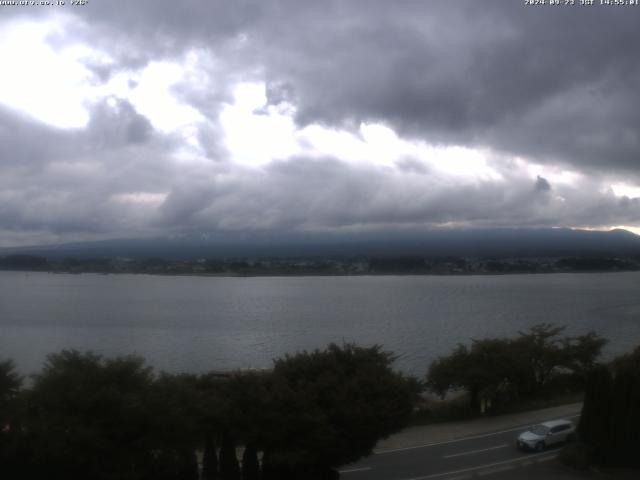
x=554 y=85
x=555 y=82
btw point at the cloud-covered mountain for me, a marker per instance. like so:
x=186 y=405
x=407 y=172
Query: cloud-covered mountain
x=437 y=243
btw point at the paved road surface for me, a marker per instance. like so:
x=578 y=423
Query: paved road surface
x=475 y=455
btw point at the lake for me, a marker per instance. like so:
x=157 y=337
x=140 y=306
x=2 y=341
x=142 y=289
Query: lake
x=196 y=324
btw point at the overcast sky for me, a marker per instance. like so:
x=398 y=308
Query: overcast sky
x=160 y=117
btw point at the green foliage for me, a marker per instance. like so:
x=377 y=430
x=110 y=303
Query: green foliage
x=174 y=402
x=327 y=408
x=610 y=421
x=241 y=403
x=10 y=384
x=542 y=351
x=582 y=352
x=90 y=417
x=595 y=421
x=10 y=381
x=446 y=373
x=503 y=370
x=115 y=419
x=10 y=446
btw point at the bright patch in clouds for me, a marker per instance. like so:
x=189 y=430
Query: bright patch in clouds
x=555 y=175
x=257 y=133
x=623 y=189
x=49 y=85
x=140 y=198
x=256 y=137
x=631 y=229
x=152 y=97
x=55 y=86
x=607 y=228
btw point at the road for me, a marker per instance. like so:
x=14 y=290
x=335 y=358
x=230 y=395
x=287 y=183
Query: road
x=480 y=454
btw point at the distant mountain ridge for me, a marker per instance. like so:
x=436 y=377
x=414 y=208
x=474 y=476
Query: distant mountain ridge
x=433 y=243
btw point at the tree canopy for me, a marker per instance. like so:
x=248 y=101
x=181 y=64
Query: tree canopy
x=90 y=417
x=610 y=421
x=503 y=369
x=10 y=381
x=330 y=407
x=86 y=416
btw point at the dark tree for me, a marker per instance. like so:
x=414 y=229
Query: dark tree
x=504 y=370
x=209 y=459
x=489 y=371
x=398 y=264
x=229 y=467
x=175 y=404
x=23 y=262
x=10 y=383
x=11 y=438
x=328 y=408
x=581 y=353
x=610 y=421
x=90 y=418
x=250 y=463
x=188 y=465
x=543 y=349
x=445 y=373
x=595 y=420
x=234 y=405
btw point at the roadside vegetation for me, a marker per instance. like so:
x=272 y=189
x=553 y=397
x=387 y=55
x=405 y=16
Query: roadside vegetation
x=609 y=429
x=86 y=416
x=539 y=367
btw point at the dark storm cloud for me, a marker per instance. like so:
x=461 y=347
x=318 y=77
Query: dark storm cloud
x=117 y=124
x=29 y=144
x=187 y=200
x=542 y=185
x=557 y=84
x=554 y=83
x=68 y=181
x=326 y=194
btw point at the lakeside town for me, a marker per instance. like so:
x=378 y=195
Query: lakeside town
x=381 y=265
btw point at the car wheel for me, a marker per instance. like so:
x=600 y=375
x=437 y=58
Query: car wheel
x=540 y=446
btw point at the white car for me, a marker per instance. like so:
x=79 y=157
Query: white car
x=541 y=436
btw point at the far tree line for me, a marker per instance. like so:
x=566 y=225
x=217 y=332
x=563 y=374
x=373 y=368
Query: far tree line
x=320 y=265
x=86 y=416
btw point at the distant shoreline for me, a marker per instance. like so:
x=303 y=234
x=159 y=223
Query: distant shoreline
x=323 y=266
x=301 y=275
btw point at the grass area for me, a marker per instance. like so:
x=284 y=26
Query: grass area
x=458 y=408
x=540 y=402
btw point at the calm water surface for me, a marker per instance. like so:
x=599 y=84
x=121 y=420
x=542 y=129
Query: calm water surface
x=204 y=323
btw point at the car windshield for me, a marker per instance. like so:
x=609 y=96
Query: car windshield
x=539 y=429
